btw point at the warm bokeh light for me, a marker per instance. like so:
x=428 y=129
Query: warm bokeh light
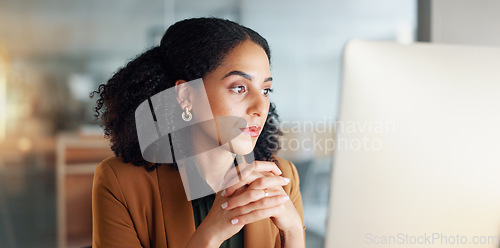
x=24 y=144
x=3 y=94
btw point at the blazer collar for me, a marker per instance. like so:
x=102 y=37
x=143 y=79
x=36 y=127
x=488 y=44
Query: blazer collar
x=178 y=216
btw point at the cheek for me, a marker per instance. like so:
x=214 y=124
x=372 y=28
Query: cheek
x=266 y=113
x=222 y=107
x=268 y=104
x=217 y=102
x=215 y=97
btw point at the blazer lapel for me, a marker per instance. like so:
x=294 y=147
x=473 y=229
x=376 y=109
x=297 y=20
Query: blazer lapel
x=179 y=220
x=177 y=210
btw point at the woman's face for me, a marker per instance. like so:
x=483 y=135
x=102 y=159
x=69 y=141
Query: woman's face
x=240 y=87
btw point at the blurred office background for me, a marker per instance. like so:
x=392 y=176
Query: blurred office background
x=53 y=53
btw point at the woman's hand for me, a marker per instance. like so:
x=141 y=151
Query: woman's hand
x=220 y=224
x=261 y=195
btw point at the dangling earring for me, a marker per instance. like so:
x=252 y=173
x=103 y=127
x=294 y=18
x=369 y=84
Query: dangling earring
x=186 y=115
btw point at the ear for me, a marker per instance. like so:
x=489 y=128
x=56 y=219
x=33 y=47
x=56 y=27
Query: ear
x=184 y=94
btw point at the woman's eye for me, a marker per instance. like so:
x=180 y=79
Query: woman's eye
x=267 y=91
x=239 y=89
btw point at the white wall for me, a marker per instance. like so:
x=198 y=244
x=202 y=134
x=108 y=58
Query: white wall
x=307 y=40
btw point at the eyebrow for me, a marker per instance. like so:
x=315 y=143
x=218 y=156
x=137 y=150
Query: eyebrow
x=245 y=75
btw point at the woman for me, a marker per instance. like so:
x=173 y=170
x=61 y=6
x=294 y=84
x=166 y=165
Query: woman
x=137 y=203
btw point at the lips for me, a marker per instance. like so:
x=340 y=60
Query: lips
x=252 y=131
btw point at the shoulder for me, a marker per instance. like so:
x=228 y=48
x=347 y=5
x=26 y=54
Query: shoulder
x=115 y=173
x=289 y=171
x=286 y=166
x=114 y=166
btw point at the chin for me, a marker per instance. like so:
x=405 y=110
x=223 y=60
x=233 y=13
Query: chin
x=243 y=144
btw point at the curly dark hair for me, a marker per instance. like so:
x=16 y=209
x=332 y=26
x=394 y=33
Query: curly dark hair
x=188 y=50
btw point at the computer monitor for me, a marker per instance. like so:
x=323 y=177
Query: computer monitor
x=417 y=157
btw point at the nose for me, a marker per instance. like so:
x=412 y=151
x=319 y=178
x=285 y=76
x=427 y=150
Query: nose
x=258 y=105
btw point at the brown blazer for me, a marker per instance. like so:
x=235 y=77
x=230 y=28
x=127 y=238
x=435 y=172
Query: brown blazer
x=135 y=208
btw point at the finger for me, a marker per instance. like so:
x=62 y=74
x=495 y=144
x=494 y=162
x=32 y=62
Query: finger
x=240 y=190
x=258 y=166
x=238 y=169
x=242 y=170
x=257 y=190
x=258 y=181
x=236 y=174
x=229 y=191
x=249 y=196
x=269 y=182
x=263 y=166
x=259 y=210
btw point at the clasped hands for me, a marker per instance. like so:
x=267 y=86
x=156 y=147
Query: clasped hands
x=256 y=193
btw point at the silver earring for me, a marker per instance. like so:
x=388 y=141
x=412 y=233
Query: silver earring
x=186 y=115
